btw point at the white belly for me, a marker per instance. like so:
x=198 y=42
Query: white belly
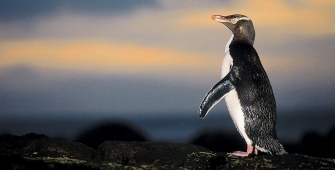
x=232 y=100
x=236 y=114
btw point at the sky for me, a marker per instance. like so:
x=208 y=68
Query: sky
x=156 y=56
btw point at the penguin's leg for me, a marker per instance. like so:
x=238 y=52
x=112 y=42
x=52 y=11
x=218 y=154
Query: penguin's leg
x=256 y=151
x=251 y=150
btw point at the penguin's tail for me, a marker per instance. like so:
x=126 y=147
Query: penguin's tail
x=271 y=146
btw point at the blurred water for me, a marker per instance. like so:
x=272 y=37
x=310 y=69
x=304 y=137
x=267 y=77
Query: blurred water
x=167 y=127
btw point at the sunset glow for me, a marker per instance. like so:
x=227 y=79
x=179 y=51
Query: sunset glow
x=170 y=42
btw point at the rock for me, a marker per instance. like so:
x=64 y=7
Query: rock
x=34 y=151
x=36 y=145
x=166 y=155
x=290 y=161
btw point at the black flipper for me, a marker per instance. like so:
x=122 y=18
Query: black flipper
x=217 y=93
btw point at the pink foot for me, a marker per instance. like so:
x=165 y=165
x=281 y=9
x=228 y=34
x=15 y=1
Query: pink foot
x=240 y=153
x=251 y=150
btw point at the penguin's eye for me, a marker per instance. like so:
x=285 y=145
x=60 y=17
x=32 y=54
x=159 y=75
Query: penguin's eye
x=233 y=20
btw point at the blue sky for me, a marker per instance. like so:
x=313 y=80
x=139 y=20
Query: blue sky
x=156 y=56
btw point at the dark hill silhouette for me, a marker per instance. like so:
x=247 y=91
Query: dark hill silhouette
x=110 y=131
x=315 y=144
x=219 y=141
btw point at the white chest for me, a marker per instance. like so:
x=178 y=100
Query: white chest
x=227 y=60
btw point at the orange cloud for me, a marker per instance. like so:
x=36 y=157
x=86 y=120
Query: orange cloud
x=308 y=17
x=95 y=54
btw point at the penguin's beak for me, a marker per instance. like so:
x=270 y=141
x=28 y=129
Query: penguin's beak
x=220 y=18
x=223 y=19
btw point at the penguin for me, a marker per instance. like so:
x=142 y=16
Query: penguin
x=246 y=89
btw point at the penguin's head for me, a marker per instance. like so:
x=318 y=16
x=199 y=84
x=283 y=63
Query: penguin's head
x=240 y=25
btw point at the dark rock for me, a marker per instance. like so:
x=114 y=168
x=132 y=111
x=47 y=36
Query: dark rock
x=290 y=161
x=156 y=154
x=35 y=151
x=35 y=145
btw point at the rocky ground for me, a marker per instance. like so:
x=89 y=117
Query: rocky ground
x=33 y=151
